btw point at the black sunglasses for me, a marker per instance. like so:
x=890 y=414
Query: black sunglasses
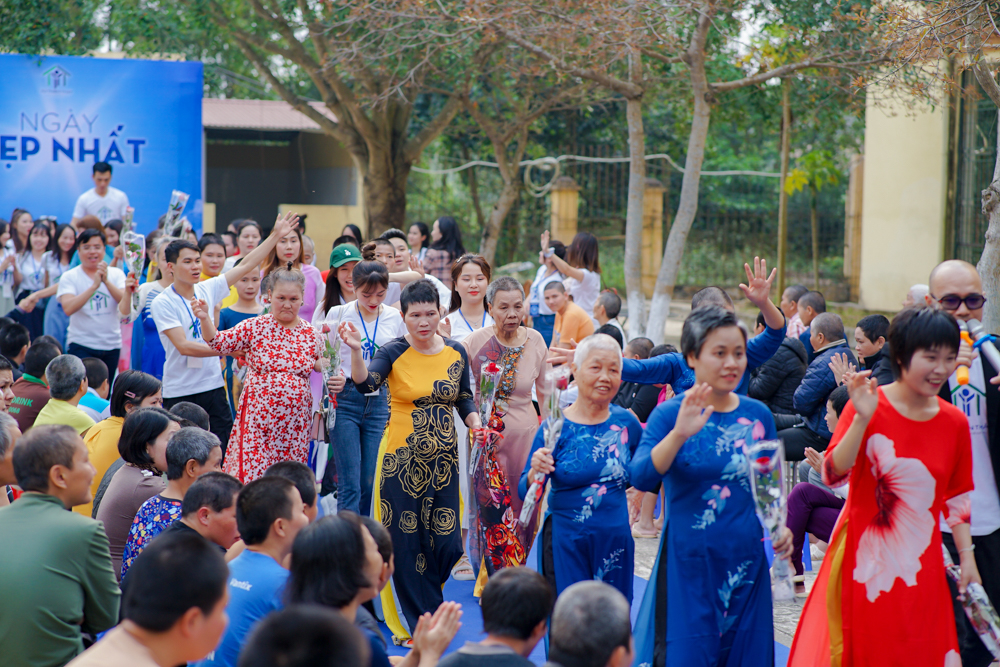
x=954 y=301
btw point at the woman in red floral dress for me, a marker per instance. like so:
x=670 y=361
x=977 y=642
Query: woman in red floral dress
x=881 y=597
x=275 y=409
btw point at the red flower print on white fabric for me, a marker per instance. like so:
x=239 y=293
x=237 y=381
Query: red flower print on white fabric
x=958 y=510
x=952 y=659
x=891 y=546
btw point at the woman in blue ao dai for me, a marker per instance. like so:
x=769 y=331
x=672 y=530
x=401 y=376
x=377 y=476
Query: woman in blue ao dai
x=585 y=534
x=708 y=601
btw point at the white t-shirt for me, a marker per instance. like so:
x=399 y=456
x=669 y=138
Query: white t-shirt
x=585 y=292
x=537 y=296
x=51 y=261
x=96 y=324
x=971 y=399
x=388 y=326
x=32 y=272
x=182 y=375
x=109 y=207
x=460 y=326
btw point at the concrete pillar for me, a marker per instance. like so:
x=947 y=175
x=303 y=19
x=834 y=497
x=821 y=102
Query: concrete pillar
x=652 y=233
x=565 y=200
x=852 y=225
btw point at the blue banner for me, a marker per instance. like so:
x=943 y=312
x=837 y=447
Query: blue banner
x=61 y=114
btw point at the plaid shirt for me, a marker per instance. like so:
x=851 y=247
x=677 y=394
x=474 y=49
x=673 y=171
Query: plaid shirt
x=795 y=326
x=438 y=264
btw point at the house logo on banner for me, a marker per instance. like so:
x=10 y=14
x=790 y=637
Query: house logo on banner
x=57 y=80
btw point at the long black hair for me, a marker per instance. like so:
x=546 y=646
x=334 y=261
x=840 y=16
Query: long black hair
x=141 y=428
x=328 y=562
x=425 y=231
x=356 y=231
x=451 y=237
x=55 y=243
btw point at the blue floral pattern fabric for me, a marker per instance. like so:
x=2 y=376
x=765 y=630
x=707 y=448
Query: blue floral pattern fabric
x=154 y=516
x=711 y=575
x=591 y=538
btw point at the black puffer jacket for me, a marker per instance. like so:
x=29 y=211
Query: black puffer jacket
x=880 y=367
x=776 y=380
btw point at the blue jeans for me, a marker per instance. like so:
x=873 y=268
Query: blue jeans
x=544 y=324
x=357 y=434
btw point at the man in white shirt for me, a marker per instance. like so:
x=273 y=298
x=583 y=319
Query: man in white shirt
x=187 y=374
x=955 y=287
x=102 y=200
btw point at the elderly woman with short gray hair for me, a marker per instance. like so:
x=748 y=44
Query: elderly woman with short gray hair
x=67 y=379
x=497 y=540
x=274 y=414
x=585 y=533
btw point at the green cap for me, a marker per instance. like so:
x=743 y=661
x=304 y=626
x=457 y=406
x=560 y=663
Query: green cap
x=344 y=253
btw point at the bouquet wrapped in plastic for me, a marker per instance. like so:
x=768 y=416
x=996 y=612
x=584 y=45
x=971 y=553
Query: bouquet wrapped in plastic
x=766 y=460
x=134 y=245
x=977 y=607
x=489 y=380
x=556 y=382
x=331 y=366
x=173 y=224
x=129 y=220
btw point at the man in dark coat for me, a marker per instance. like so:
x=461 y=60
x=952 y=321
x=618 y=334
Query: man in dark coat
x=870 y=346
x=774 y=382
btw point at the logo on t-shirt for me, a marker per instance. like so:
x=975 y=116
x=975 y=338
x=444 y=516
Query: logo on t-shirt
x=969 y=399
x=242 y=585
x=98 y=302
x=104 y=213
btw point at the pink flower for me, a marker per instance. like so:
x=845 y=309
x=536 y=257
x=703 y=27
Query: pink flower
x=743 y=420
x=958 y=510
x=758 y=430
x=891 y=546
x=603 y=490
x=725 y=493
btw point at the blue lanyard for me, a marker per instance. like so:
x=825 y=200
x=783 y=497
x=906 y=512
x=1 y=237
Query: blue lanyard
x=368 y=348
x=195 y=324
x=467 y=321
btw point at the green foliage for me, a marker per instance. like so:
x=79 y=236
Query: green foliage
x=65 y=27
x=815 y=169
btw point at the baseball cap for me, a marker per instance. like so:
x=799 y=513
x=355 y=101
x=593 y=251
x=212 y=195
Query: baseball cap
x=344 y=253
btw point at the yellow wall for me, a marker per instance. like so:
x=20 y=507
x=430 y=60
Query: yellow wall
x=903 y=213
x=208 y=218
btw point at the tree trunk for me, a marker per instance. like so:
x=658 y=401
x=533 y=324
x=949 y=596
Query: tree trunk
x=786 y=140
x=491 y=230
x=385 y=191
x=814 y=225
x=633 y=217
x=473 y=182
x=687 y=208
x=989 y=262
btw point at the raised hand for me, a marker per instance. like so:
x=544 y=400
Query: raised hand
x=199 y=308
x=443 y=627
x=840 y=366
x=758 y=287
x=444 y=328
x=350 y=336
x=864 y=393
x=545 y=241
x=417 y=265
x=285 y=224
x=694 y=411
x=562 y=355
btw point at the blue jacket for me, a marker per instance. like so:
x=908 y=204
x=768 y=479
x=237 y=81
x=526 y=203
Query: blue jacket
x=804 y=337
x=672 y=369
x=810 y=398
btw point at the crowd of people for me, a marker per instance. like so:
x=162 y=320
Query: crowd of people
x=181 y=429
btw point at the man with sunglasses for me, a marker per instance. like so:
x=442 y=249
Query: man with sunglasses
x=955 y=287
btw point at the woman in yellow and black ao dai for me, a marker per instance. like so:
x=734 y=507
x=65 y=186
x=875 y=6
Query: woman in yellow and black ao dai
x=416 y=495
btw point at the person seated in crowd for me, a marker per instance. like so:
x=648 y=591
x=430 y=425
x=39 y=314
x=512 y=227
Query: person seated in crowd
x=869 y=346
x=209 y=509
x=637 y=348
x=67 y=378
x=55 y=573
x=132 y=390
x=591 y=627
x=336 y=563
x=790 y=307
x=9 y=433
x=302 y=477
x=270 y=514
x=191 y=452
x=572 y=323
x=614 y=332
x=516 y=604
x=6 y=385
x=607 y=308
x=31 y=391
x=305 y=636
x=95 y=401
x=143 y=446
x=365 y=618
x=813 y=507
x=191 y=414
x=774 y=382
x=173 y=611
x=916 y=294
x=672 y=368
x=827 y=333
x=810 y=305
x=14 y=341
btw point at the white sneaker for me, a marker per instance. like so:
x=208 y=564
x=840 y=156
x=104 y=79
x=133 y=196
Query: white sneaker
x=815 y=553
x=329 y=503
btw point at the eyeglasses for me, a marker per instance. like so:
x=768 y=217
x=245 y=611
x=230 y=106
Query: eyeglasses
x=954 y=301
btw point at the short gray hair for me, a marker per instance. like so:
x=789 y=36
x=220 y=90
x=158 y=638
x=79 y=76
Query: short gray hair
x=6 y=421
x=503 y=284
x=186 y=444
x=593 y=343
x=65 y=374
x=590 y=621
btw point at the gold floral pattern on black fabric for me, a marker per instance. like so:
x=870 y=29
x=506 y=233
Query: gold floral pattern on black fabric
x=425 y=512
x=444 y=520
x=408 y=522
x=430 y=456
x=385 y=509
x=390 y=464
x=421 y=563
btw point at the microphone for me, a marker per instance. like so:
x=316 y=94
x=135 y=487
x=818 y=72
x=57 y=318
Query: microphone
x=984 y=342
x=962 y=371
